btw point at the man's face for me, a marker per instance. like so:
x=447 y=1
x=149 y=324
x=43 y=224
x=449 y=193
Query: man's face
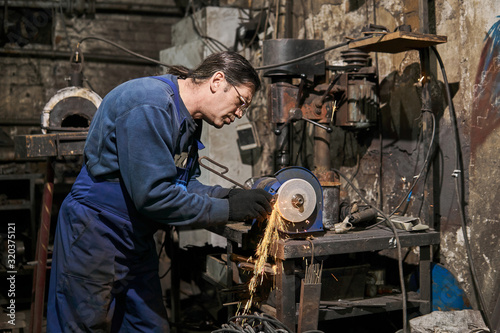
x=230 y=102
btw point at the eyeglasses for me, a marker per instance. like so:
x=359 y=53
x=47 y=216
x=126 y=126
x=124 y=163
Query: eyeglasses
x=244 y=105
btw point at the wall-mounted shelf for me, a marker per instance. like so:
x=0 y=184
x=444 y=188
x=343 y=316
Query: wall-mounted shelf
x=399 y=41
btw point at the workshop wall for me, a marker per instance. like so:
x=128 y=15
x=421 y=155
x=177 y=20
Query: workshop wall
x=384 y=163
x=36 y=48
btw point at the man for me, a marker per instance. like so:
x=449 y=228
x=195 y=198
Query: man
x=140 y=173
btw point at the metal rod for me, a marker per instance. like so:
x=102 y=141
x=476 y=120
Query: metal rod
x=220 y=174
x=40 y=269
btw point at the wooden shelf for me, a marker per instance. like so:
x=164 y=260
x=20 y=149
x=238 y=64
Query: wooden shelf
x=399 y=41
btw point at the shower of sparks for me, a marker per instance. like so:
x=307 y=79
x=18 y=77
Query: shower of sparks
x=275 y=224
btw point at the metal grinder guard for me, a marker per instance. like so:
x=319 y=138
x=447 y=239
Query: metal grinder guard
x=298 y=191
x=299 y=198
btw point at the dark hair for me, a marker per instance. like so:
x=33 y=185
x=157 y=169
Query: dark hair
x=237 y=69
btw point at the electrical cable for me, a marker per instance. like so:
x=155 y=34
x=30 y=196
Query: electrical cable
x=300 y=151
x=424 y=166
x=312 y=54
x=410 y=194
x=256 y=33
x=256 y=323
x=458 y=176
x=416 y=177
x=123 y=49
x=398 y=247
x=163 y=246
x=256 y=68
x=216 y=43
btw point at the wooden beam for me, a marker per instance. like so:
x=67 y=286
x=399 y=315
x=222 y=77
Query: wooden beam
x=399 y=41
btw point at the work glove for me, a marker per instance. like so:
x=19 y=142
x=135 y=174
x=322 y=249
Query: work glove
x=249 y=204
x=233 y=192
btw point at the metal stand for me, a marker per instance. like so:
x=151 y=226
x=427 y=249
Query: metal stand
x=290 y=250
x=40 y=270
x=49 y=146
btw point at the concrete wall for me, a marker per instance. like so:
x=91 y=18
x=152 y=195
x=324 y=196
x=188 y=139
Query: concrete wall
x=189 y=49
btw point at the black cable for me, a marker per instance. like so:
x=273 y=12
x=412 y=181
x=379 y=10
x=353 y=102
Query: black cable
x=124 y=49
x=249 y=322
x=198 y=32
x=417 y=177
x=257 y=68
x=163 y=246
x=292 y=61
x=457 y=173
x=424 y=166
x=256 y=33
x=300 y=150
x=398 y=247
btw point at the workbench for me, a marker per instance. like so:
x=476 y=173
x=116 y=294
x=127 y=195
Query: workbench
x=289 y=250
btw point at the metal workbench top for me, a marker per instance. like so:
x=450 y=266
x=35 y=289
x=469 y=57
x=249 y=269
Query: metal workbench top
x=330 y=243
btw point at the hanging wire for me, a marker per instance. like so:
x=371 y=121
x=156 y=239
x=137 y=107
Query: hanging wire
x=459 y=180
x=256 y=323
x=123 y=49
x=416 y=177
x=398 y=247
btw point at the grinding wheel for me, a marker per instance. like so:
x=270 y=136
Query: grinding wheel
x=296 y=200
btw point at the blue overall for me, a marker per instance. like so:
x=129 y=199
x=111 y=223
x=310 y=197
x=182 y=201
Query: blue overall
x=104 y=274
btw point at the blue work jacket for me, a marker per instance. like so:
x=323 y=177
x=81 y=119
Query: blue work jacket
x=139 y=136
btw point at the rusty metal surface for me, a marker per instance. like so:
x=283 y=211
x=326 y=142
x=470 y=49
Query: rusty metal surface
x=49 y=145
x=282 y=97
x=331 y=243
x=310 y=295
x=277 y=51
x=352 y=308
x=359 y=103
x=353 y=242
x=399 y=41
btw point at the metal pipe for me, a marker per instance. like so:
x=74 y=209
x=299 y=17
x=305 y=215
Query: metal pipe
x=283 y=145
x=289 y=19
x=329 y=183
x=40 y=269
x=89 y=56
x=321 y=149
x=19 y=122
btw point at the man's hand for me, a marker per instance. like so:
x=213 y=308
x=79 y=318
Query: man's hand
x=250 y=204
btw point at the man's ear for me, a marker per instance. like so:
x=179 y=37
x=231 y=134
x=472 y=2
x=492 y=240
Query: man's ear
x=217 y=81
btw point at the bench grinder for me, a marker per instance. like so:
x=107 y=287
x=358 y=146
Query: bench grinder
x=299 y=198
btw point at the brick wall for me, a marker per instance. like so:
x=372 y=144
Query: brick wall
x=33 y=73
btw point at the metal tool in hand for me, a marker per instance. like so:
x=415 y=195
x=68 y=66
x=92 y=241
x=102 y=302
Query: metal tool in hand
x=221 y=173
